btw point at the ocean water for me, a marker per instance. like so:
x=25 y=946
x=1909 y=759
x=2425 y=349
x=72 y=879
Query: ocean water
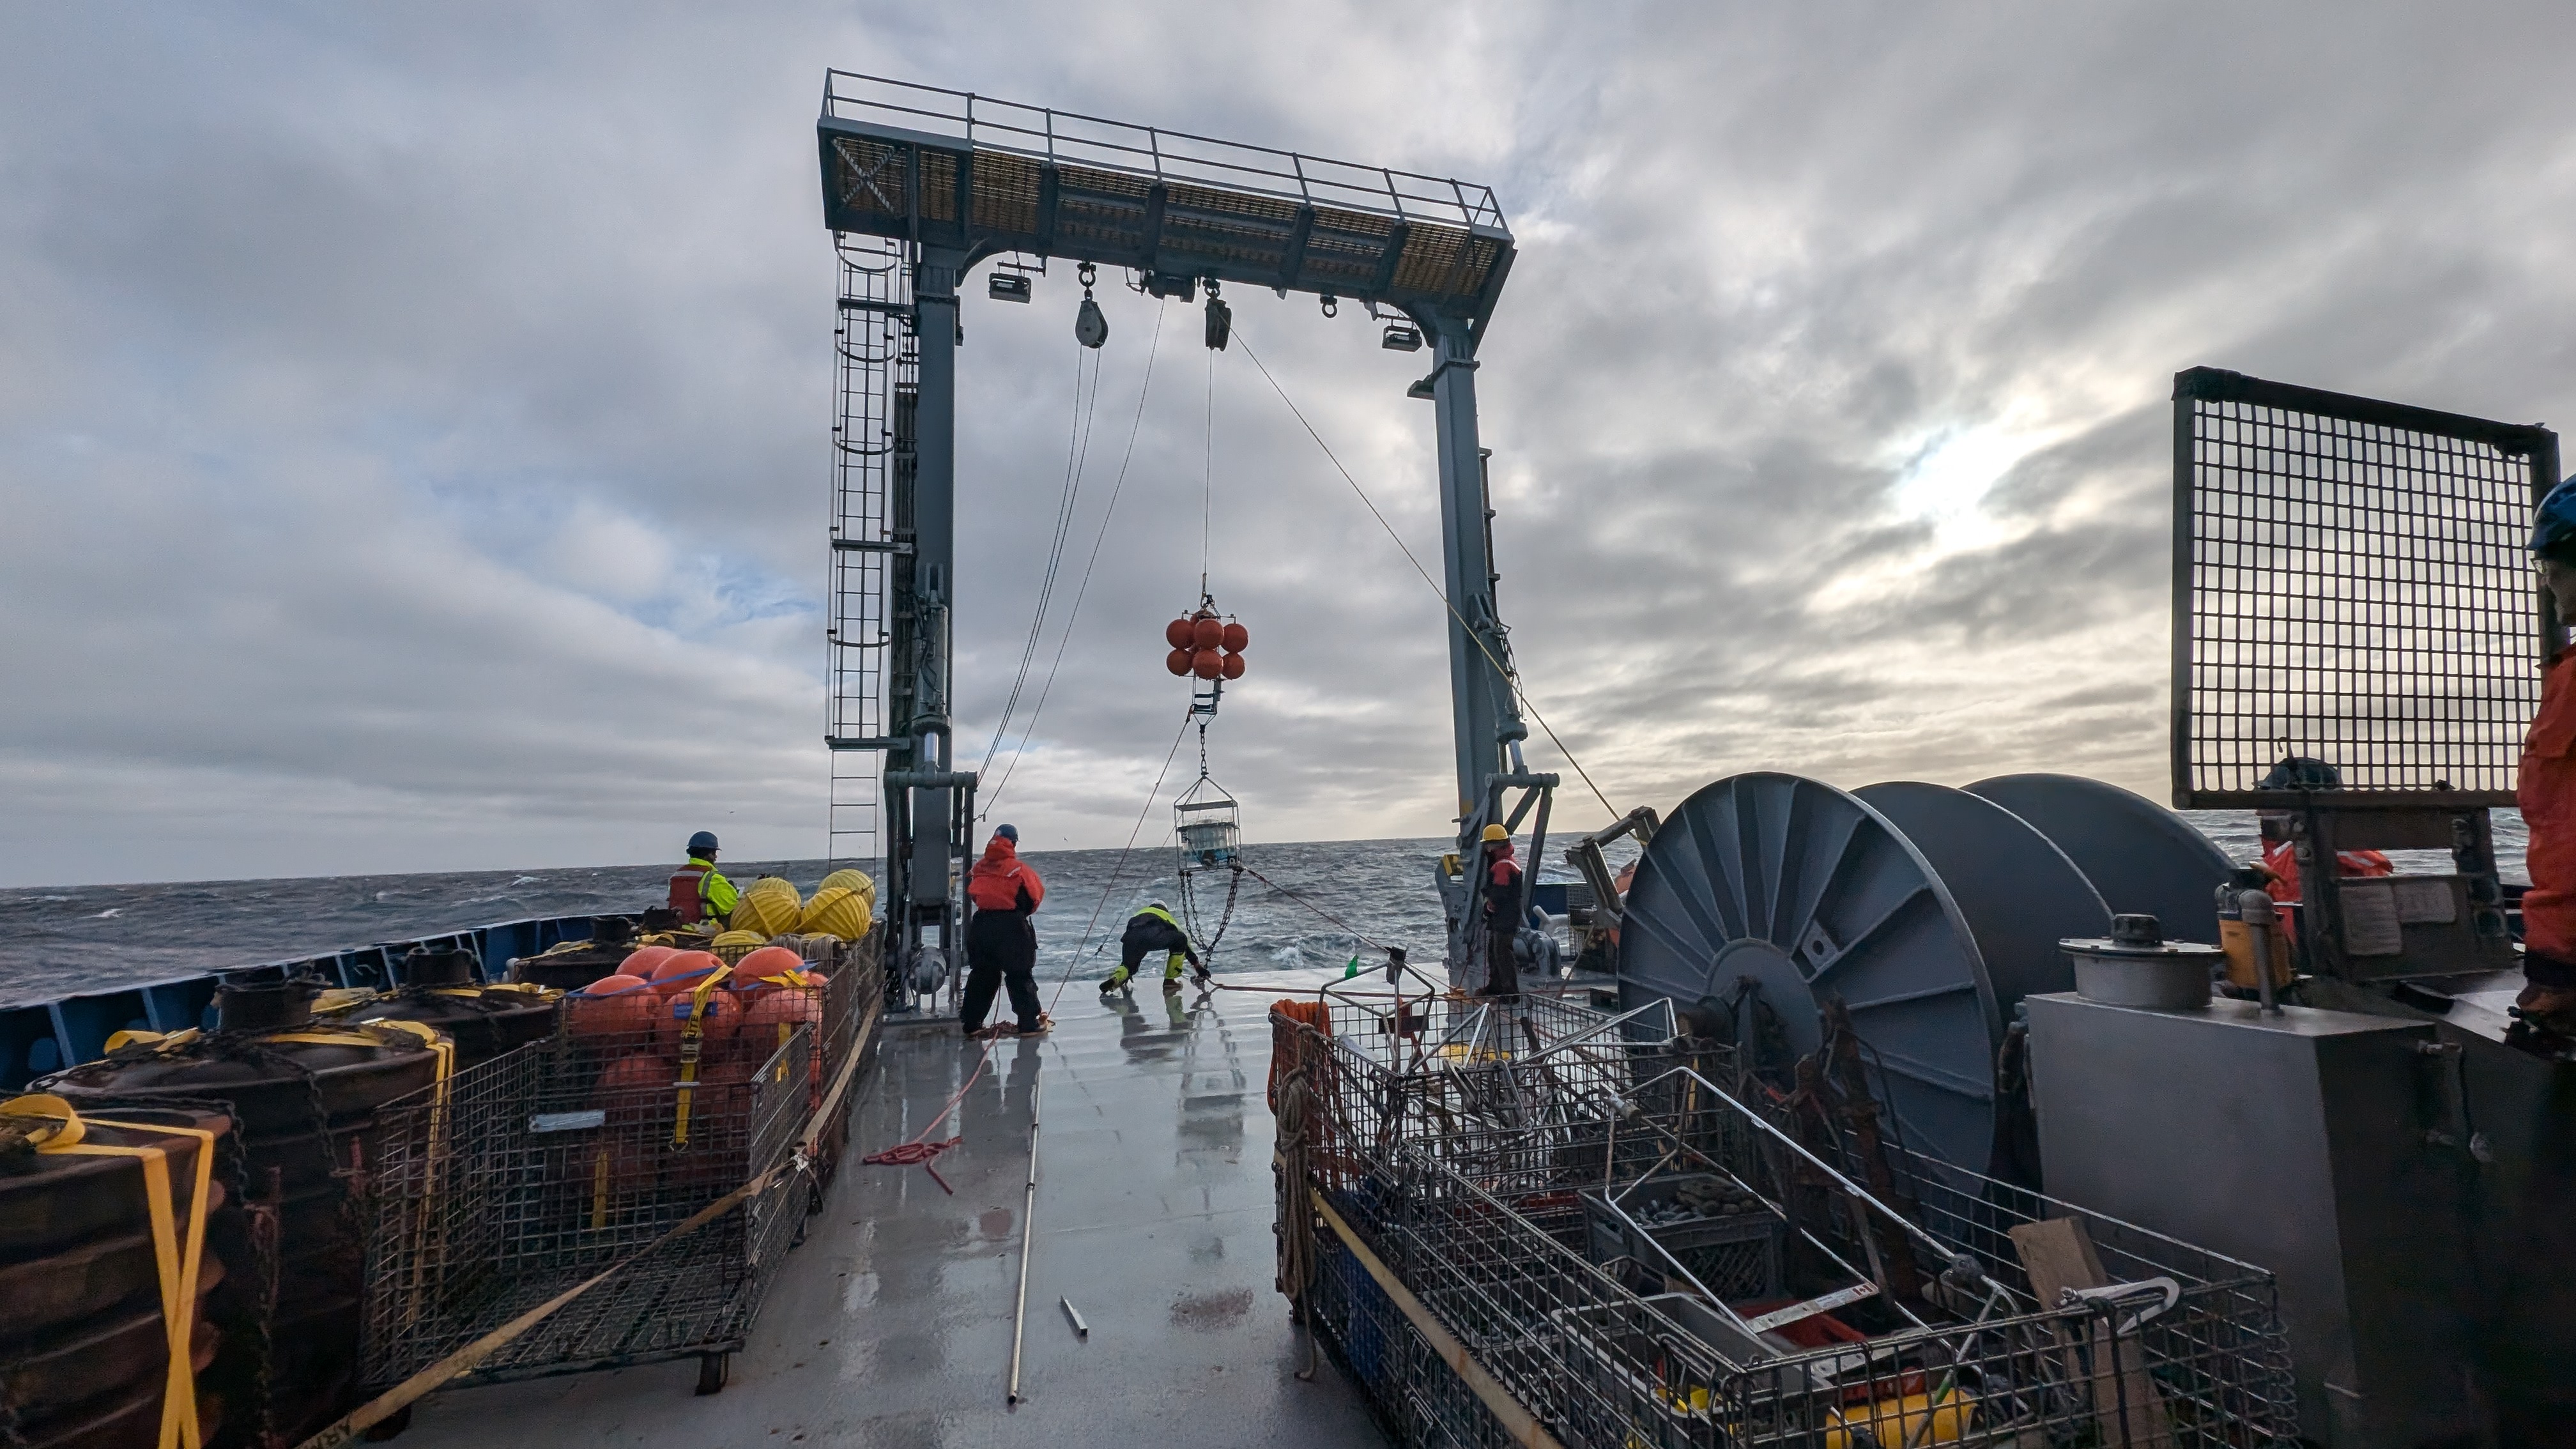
x=1312 y=904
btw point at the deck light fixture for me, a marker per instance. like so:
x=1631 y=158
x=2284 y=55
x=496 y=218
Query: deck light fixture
x=1401 y=337
x=1007 y=287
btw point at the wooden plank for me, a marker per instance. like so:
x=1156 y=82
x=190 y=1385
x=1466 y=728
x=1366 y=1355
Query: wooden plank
x=2058 y=1254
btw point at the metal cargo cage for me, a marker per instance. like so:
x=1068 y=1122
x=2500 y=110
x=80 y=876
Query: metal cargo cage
x=1208 y=825
x=538 y=1169
x=1954 y=1319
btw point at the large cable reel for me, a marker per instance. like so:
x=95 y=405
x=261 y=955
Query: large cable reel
x=1929 y=911
x=2143 y=858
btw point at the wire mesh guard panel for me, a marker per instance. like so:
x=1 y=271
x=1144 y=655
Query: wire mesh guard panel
x=538 y=1169
x=2357 y=591
x=1507 y=1255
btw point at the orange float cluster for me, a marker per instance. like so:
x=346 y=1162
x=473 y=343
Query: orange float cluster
x=1206 y=646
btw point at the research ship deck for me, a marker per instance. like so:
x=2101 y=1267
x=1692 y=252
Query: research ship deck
x=892 y=1323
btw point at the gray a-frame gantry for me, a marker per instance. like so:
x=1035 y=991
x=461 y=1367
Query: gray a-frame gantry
x=950 y=179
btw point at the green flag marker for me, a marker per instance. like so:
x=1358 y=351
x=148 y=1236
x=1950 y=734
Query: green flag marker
x=1352 y=969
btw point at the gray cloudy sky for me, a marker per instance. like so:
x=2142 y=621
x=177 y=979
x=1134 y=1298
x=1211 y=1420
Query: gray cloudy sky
x=414 y=419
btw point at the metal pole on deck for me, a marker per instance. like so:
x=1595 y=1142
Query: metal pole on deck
x=1028 y=1240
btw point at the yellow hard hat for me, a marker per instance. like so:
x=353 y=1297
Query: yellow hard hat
x=1496 y=832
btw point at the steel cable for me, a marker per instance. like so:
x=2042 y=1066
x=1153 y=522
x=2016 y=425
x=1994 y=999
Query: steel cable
x=1077 y=452
x=1073 y=614
x=1509 y=676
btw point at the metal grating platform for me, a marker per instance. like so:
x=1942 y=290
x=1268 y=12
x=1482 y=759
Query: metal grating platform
x=2350 y=585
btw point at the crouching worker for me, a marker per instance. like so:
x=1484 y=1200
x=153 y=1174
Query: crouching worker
x=2547 y=790
x=1149 y=930
x=1001 y=944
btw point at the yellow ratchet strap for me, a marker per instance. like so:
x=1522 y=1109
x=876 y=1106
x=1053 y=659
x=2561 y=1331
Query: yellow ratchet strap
x=176 y=1259
x=164 y=1042
x=691 y=1039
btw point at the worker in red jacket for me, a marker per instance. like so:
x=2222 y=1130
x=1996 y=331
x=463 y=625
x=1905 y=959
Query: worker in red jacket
x=1502 y=911
x=1001 y=944
x=2546 y=790
x=2281 y=852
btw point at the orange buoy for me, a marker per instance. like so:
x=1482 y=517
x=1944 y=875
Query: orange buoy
x=1236 y=637
x=1208 y=664
x=617 y=1006
x=767 y=961
x=1181 y=633
x=683 y=970
x=1178 y=661
x=1207 y=632
x=718 y=1020
x=1232 y=664
x=774 y=1017
x=640 y=963
x=629 y=1091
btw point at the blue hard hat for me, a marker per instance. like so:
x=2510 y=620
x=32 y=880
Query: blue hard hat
x=2553 y=527
x=2301 y=772
x=703 y=840
x=1010 y=833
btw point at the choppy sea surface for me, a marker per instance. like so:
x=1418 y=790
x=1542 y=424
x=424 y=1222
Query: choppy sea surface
x=1312 y=904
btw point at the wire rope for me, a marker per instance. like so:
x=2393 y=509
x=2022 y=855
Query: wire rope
x=1118 y=868
x=1442 y=594
x=1073 y=614
x=1077 y=452
x=1207 y=476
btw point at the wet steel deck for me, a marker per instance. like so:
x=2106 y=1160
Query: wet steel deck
x=892 y=1324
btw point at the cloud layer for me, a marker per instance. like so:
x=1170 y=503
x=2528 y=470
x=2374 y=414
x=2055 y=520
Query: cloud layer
x=414 y=425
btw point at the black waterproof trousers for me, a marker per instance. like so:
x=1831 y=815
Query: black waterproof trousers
x=1001 y=950
x=1502 y=969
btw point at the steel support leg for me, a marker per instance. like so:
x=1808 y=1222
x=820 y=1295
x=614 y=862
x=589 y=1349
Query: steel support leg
x=1482 y=717
x=929 y=909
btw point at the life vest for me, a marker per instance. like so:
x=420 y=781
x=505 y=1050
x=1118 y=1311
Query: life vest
x=689 y=891
x=1502 y=874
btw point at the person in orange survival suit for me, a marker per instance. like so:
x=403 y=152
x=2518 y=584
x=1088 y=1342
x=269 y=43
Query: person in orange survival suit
x=2547 y=788
x=2281 y=853
x=1001 y=945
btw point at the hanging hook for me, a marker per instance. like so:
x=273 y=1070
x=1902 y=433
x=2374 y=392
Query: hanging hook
x=1332 y=305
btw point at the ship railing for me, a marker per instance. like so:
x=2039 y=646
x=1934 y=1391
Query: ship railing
x=1070 y=137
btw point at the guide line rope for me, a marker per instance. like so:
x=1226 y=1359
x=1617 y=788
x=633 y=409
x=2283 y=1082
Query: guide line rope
x=1509 y=676
x=1207 y=474
x=1119 y=867
x=1077 y=451
x=1073 y=615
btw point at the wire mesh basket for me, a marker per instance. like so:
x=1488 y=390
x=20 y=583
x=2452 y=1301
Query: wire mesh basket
x=1935 y=1307
x=541 y=1168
